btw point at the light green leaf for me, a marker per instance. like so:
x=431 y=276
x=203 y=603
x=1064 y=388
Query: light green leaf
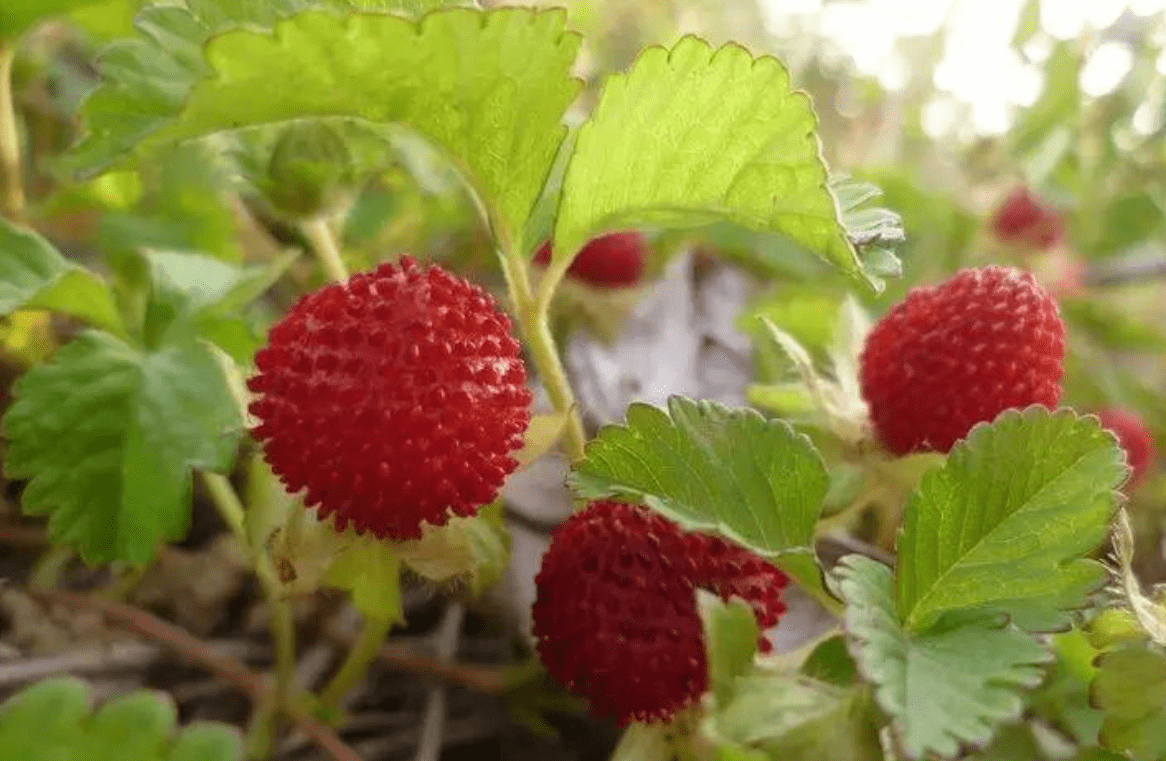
x=1130 y=689
x=471 y=551
x=19 y=15
x=371 y=570
x=51 y=721
x=692 y=135
x=34 y=275
x=1006 y=520
x=831 y=662
x=1150 y=613
x=730 y=637
x=644 y=742
x=108 y=436
x=951 y=685
x=541 y=436
x=497 y=120
x=752 y=480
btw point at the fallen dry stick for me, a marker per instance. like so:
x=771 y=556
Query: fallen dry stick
x=195 y=650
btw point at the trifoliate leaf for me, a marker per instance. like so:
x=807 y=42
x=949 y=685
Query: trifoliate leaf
x=692 y=135
x=371 y=570
x=1006 y=520
x=15 y=17
x=953 y=684
x=1130 y=689
x=752 y=480
x=34 y=275
x=471 y=551
x=53 y=720
x=730 y=636
x=497 y=120
x=108 y=435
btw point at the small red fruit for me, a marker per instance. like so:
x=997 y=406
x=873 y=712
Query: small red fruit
x=615 y=614
x=394 y=398
x=960 y=353
x=1134 y=438
x=1026 y=220
x=608 y=261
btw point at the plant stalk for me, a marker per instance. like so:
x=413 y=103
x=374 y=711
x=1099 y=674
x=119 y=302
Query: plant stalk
x=11 y=182
x=356 y=664
x=324 y=245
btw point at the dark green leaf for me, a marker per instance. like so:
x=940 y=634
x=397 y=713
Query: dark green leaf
x=1130 y=690
x=730 y=636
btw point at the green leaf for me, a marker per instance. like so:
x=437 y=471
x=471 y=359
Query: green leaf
x=692 y=135
x=831 y=662
x=1130 y=689
x=34 y=275
x=108 y=435
x=371 y=570
x=15 y=17
x=498 y=120
x=752 y=480
x=471 y=551
x=945 y=687
x=644 y=742
x=1014 y=743
x=51 y=721
x=1006 y=520
x=730 y=636
x=1149 y=613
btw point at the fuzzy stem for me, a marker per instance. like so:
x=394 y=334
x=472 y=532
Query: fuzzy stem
x=282 y=624
x=364 y=651
x=324 y=245
x=536 y=330
x=11 y=184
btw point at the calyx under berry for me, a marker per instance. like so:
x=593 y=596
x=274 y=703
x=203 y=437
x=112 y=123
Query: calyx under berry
x=393 y=399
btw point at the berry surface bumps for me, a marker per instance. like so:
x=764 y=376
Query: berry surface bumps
x=394 y=399
x=615 y=615
x=960 y=353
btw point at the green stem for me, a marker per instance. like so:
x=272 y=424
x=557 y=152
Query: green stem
x=532 y=320
x=324 y=245
x=355 y=666
x=11 y=184
x=49 y=567
x=282 y=624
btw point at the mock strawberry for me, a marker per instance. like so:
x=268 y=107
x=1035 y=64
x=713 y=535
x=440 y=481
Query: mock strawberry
x=1026 y=220
x=615 y=615
x=960 y=353
x=1134 y=438
x=394 y=399
x=608 y=261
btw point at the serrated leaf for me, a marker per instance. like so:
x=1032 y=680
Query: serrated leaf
x=497 y=120
x=730 y=637
x=710 y=468
x=15 y=17
x=371 y=570
x=1006 y=521
x=471 y=550
x=866 y=226
x=51 y=721
x=951 y=685
x=692 y=135
x=108 y=436
x=34 y=275
x=1130 y=689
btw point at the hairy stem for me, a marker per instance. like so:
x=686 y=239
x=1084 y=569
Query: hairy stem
x=11 y=182
x=324 y=245
x=364 y=651
x=282 y=625
x=532 y=320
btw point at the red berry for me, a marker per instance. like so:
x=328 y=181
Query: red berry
x=1026 y=220
x=615 y=614
x=960 y=353
x=1134 y=438
x=394 y=398
x=609 y=261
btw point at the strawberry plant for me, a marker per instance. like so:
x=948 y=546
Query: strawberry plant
x=285 y=337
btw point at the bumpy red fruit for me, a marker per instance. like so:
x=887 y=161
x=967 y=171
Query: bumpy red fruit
x=615 y=614
x=608 y=261
x=1134 y=438
x=1026 y=220
x=960 y=353
x=394 y=399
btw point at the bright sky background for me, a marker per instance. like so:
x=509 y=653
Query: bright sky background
x=979 y=71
